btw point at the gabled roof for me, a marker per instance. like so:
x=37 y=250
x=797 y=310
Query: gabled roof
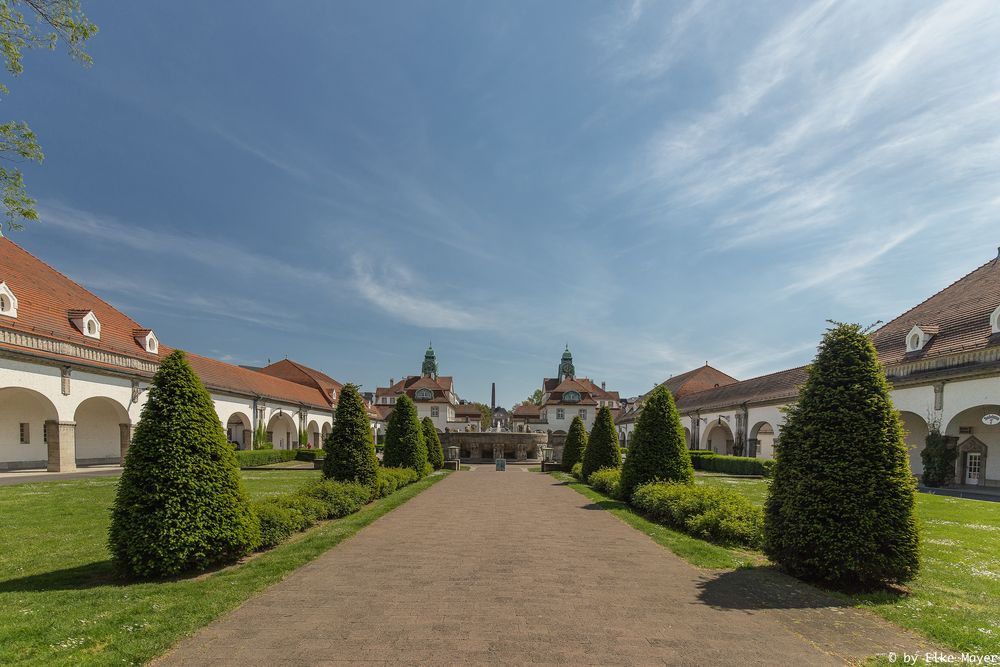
x=293 y=371
x=774 y=386
x=526 y=410
x=46 y=299
x=961 y=312
x=588 y=390
x=699 y=379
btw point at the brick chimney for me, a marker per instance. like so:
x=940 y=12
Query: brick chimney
x=604 y=385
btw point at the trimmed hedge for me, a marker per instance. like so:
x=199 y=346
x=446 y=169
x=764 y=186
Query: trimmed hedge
x=840 y=509
x=307 y=454
x=602 y=446
x=253 y=458
x=658 y=451
x=435 y=455
x=576 y=444
x=577 y=472
x=712 y=513
x=391 y=479
x=180 y=504
x=349 y=451
x=736 y=465
x=404 y=438
x=607 y=481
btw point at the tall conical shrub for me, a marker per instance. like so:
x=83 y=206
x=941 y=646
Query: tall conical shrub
x=180 y=503
x=349 y=453
x=435 y=455
x=659 y=450
x=404 y=438
x=576 y=444
x=840 y=506
x=602 y=445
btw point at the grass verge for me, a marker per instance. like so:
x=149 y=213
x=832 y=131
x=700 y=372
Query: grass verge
x=60 y=605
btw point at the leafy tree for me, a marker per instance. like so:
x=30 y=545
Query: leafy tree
x=602 y=446
x=576 y=444
x=349 y=453
x=840 y=506
x=404 y=438
x=486 y=418
x=658 y=450
x=534 y=399
x=938 y=458
x=435 y=455
x=180 y=503
x=47 y=22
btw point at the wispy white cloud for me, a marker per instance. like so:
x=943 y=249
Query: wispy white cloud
x=395 y=290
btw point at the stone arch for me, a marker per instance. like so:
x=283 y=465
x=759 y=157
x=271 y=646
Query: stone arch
x=915 y=432
x=26 y=406
x=718 y=437
x=103 y=431
x=313 y=432
x=282 y=431
x=981 y=440
x=239 y=430
x=762 y=440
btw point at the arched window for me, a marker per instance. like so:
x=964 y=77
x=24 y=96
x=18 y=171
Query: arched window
x=571 y=396
x=424 y=394
x=8 y=302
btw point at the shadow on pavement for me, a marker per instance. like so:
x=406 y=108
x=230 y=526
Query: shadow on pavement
x=762 y=588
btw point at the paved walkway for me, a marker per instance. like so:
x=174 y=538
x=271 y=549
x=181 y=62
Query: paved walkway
x=515 y=568
x=38 y=475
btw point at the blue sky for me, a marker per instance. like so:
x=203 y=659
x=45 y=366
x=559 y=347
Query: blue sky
x=657 y=184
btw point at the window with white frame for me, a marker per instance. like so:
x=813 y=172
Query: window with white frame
x=435 y=411
x=583 y=414
x=560 y=413
x=25 y=433
x=424 y=394
x=995 y=321
x=8 y=302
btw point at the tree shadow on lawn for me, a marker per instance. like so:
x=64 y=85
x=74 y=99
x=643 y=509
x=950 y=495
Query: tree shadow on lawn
x=764 y=588
x=92 y=575
x=99 y=574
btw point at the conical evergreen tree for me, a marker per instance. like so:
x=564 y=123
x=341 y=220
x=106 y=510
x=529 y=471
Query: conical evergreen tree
x=404 y=438
x=349 y=450
x=435 y=455
x=180 y=503
x=840 y=506
x=602 y=445
x=659 y=450
x=576 y=444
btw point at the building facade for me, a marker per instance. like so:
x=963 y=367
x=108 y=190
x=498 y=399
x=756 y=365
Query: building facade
x=942 y=360
x=434 y=396
x=74 y=374
x=564 y=397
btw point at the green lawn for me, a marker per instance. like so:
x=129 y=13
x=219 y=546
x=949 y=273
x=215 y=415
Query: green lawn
x=59 y=603
x=956 y=598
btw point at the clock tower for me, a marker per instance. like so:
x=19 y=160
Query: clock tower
x=566 y=368
x=430 y=367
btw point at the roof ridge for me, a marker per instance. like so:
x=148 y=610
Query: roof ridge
x=68 y=279
x=935 y=295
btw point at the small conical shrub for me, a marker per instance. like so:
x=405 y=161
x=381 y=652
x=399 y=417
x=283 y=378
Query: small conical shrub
x=404 y=438
x=658 y=450
x=576 y=444
x=180 y=503
x=938 y=458
x=435 y=455
x=602 y=445
x=840 y=506
x=349 y=453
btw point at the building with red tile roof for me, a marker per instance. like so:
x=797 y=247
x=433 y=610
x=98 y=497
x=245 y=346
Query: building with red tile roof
x=74 y=372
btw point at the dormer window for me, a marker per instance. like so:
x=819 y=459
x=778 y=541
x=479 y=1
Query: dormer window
x=424 y=394
x=994 y=319
x=86 y=322
x=8 y=302
x=919 y=336
x=571 y=396
x=146 y=340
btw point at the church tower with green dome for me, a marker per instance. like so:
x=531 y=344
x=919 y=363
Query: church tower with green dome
x=430 y=367
x=566 y=368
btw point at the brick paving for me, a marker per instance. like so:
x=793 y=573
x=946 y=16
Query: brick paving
x=515 y=568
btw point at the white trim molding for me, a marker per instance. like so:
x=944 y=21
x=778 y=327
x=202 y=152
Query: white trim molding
x=8 y=302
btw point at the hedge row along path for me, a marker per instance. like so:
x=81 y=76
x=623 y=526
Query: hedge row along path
x=492 y=567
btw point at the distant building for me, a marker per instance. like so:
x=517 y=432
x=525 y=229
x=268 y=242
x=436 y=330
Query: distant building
x=434 y=396
x=564 y=397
